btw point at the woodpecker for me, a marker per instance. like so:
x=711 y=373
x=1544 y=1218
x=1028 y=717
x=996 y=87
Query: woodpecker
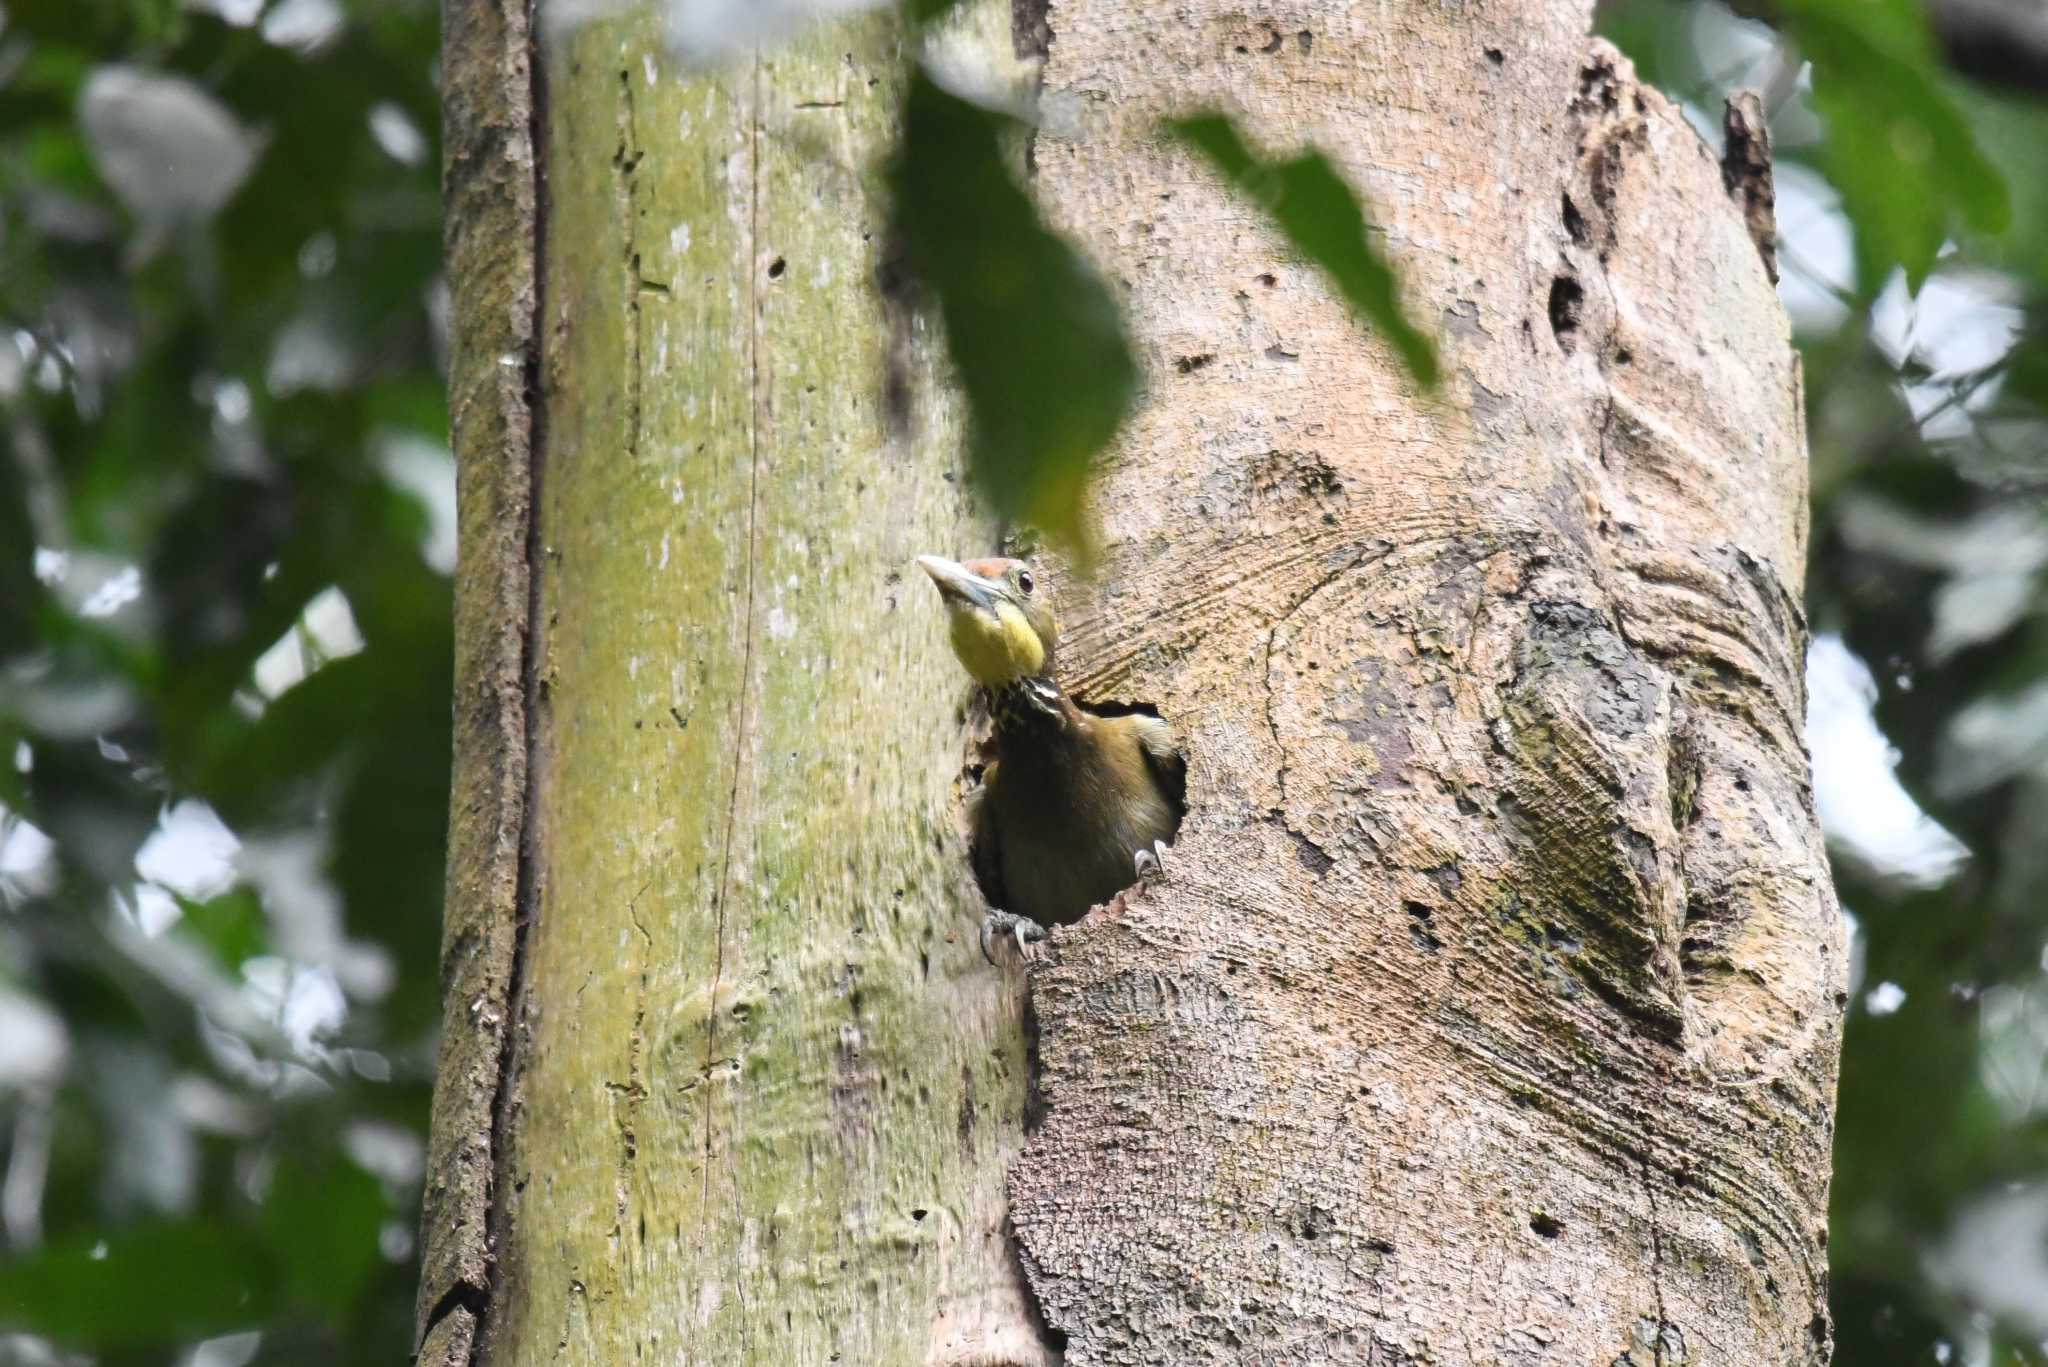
x=1077 y=806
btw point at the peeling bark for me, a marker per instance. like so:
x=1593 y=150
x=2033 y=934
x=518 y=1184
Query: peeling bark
x=1746 y=167
x=1491 y=1011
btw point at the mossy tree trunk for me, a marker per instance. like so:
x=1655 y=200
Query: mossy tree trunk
x=1491 y=1012
x=725 y=1077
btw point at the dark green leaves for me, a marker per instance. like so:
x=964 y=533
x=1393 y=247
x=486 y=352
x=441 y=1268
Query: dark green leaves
x=1898 y=148
x=1034 y=331
x=313 y=1247
x=321 y=1217
x=1319 y=216
x=150 y=1284
x=164 y=441
x=928 y=11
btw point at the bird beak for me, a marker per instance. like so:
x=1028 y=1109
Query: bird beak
x=955 y=582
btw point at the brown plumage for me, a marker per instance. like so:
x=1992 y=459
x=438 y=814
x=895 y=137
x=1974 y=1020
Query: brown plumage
x=1077 y=803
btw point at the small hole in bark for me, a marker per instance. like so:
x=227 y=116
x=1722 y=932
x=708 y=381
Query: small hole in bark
x=1273 y=41
x=776 y=268
x=1623 y=356
x=1496 y=56
x=919 y=1213
x=1313 y=1222
x=1188 y=365
x=1567 y=307
x=1418 y=928
x=1575 y=223
x=1305 y=40
x=1545 y=1225
x=1268 y=280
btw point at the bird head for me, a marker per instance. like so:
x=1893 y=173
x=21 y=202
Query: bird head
x=1002 y=623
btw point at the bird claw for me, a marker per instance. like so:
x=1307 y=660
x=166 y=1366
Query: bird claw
x=1150 y=864
x=1008 y=923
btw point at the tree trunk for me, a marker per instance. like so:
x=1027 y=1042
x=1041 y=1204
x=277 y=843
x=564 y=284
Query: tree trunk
x=1490 y=1013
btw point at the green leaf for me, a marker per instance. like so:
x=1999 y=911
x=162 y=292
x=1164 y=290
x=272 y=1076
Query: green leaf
x=923 y=12
x=145 y=1285
x=232 y=925
x=1899 y=148
x=1318 y=214
x=322 y=1215
x=1034 y=332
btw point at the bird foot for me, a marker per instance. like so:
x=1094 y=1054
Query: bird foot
x=1150 y=864
x=1001 y=924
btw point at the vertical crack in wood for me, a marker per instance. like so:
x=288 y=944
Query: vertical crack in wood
x=742 y=710
x=1656 y=1259
x=626 y=160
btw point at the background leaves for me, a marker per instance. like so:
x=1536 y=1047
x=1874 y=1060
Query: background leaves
x=1892 y=122
x=224 y=670
x=1034 y=332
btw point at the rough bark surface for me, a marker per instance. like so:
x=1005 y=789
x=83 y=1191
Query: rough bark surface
x=490 y=189
x=725 y=1078
x=1492 y=1013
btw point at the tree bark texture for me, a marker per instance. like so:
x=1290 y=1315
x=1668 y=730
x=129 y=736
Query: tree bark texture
x=1491 y=1010
x=724 y=1078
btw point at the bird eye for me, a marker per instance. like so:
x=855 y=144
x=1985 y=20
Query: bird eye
x=1024 y=581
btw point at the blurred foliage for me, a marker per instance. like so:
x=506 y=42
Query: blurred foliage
x=224 y=672
x=1025 y=316
x=224 y=637
x=1891 y=121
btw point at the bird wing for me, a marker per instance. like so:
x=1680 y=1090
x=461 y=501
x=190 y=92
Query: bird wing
x=1168 y=767
x=985 y=852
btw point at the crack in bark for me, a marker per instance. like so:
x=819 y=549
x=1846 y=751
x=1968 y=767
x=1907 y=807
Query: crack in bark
x=1362 y=554
x=1656 y=1260
x=634 y=1092
x=627 y=160
x=742 y=708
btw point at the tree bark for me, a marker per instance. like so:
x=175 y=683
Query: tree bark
x=725 y=1078
x=1491 y=1011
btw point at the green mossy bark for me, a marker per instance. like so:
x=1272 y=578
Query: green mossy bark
x=762 y=1089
